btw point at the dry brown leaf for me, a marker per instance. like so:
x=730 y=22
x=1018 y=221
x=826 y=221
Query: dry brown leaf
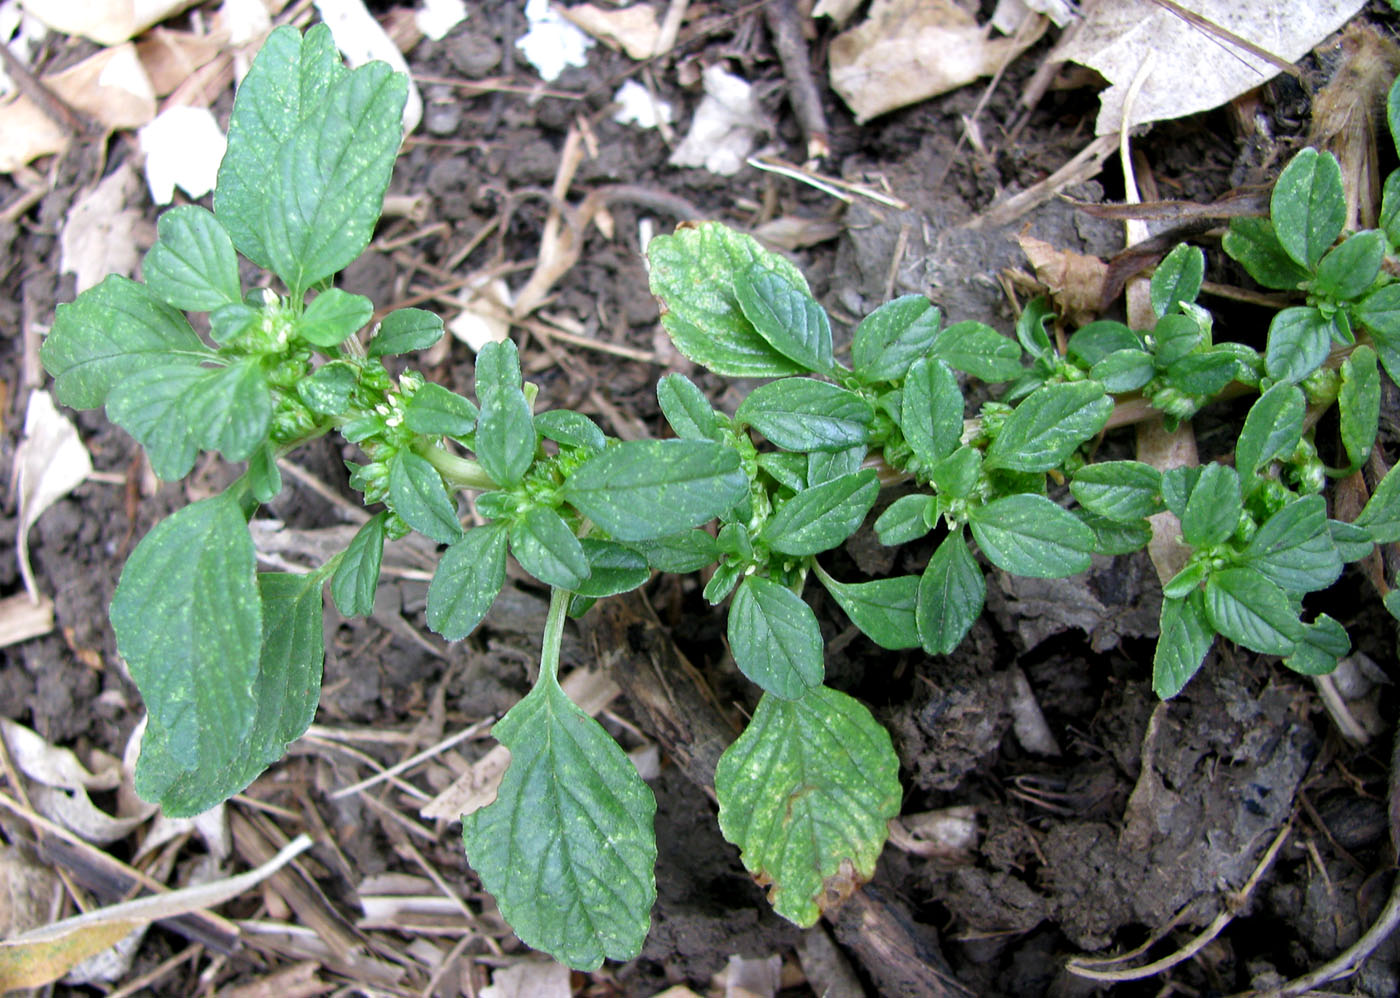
x=29 y=892
x=106 y=22
x=1075 y=281
x=751 y=977
x=50 y=765
x=111 y=87
x=101 y=235
x=529 y=979
x=908 y=50
x=300 y=980
x=49 y=463
x=635 y=29
x=172 y=57
x=26 y=133
x=22 y=617
x=839 y=11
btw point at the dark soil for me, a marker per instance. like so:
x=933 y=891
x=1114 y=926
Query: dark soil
x=1143 y=819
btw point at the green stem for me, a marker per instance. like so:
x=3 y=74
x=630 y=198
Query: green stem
x=459 y=472
x=554 y=633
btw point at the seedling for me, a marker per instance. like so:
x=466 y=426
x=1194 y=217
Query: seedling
x=228 y=659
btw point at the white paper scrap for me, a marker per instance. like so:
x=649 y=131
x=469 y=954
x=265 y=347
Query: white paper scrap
x=552 y=44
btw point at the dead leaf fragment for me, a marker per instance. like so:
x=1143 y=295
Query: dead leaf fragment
x=906 y=51
x=106 y=22
x=635 y=29
x=172 y=57
x=102 y=235
x=529 y=979
x=49 y=463
x=22 y=618
x=1075 y=281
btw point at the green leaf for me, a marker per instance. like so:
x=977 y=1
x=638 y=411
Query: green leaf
x=977 y=349
x=1392 y=113
x=110 y=332
x=228 y=322
x=405 y=330
x=311 y=147
x=327 y=392
x=357 y=576
x=1391 y=602
x=1379 y=312
x=571 y=429
x=642 y=490
x=1116 y=537
x=1030 y=328
x=806 y=793
x=1254 y=244
x=1192 y=577
x=785 y=314
x=1204 y=373
x=1299 y=340
x=890 y=338
x=1177 y=484
x=688 y=551
x=434 y=411
x=231 y=410
x=1175 y=336
x=418 y=495
x=332 y=316
x=1029 y=535
x=192 y=265
x=686 y=408
x=1092 y=343
x=693 y=274
x=826 y=466
x=1124 y=370
x=1185 y=640
x=958 y=473
x=1381 y=515
x=802 y=414
x=775 y=638
x=726 y=576
x=1349 y=270
x=905 y=520
x=612 y=569
x=952 y=592
x=153 y=405
x=1244 y=606
x=1272 y=429
x=1213 y=511
x=931 y=414
x=188 y=622
x=1352 y=542
x=263 y=476
x=1308 y=206
x=546 y=548
x=1049 y=425
x=1177 y=278
x=1390 y=208
x=1324 y=641
x=1294 y=549
x=819 y=518
x=787 y=469
x=567 y=848
x=1359 y=404
x=1125 y=491
x=505 y=429
x=883 y=609
x=468 y=577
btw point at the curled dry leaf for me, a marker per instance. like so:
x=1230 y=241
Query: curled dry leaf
x=635 y=29
x=102 y=235
x=49 y=463
x=172 y=57
x=529 y=979
x=1075 y=281
x=106 y=22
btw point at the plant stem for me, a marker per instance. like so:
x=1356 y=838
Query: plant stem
x=459 y=472
x=554 y=633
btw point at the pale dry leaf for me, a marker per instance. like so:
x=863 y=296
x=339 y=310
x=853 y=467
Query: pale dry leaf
x=1075 y=281
x=638 y=106
x=26 y=133
x=50 y=765
x=552 y=44
x=183 y=148
x=361 y=39
x=725 y=126
x=1195 y=69
x=751 y=977
x=29 y=892
x=826 y=968
x=21 y=33
x=111 y=87
x=75 y=811
x=171 y=57
x=437 y=17
x=22 y=618
x=1009 y=15
x=633 y=29
x=485 y=315
x=839 y=11
x=102 y=235
x=106 y=22
x=50 y=462
x=529 y=979
x=909 y=50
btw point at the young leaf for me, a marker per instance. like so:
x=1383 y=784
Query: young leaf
x=1255 y=245
x=1175 y=336
x=977 y=349
x=329 y=389
x=405 y=330
x=263 y=476
x=1390 y=208
x=1381 y=516
x=612 y=569
x=1352 y=542
x=231 y=410
x=693 y=274
x=827 y=466
x=889 y=339
x=420 y=498
x=688 y=551
x=952 y=592
x=188 y=622
x=1324 y=641
x=931 y=414
x=1213 y=510
x=153 y=405
x=571 y=429
x=958 y=473
x=802 y=414
x=785 y=314
x=1177 y=278
x=1294 y=549
x=883 y=609
x=819 y=518
x=1185 y=640
x=505 y=429
x=1308 y=206
x=1359 y=404
x=726 y=576
x=193 y=265
x=686 y=408
x=1030 y=328
x=642 y=490
x=775 y=638
x=1299 y=339
x=332 y=316
x=1029 y=535
x=1380 y=313
x=1349 y=270
x=434 y=411
x=1049 y=425
x=1206 y=372
x=1125 y=491
x=1124 y=370
x=1177 y=484
x=357 y=576
x=468 y=577
x=1092 y=343
x=806 y=793
x=546 y=548
x=905 y=520
x=787 y=469
x=1244 y=606
x=1272 y=428
x=108 y=333
x=1115 y=536
x=567 y=848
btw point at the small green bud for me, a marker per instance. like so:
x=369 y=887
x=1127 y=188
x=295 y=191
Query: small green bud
x=1176 y=403
x=1322 y=386
x=1245 y=528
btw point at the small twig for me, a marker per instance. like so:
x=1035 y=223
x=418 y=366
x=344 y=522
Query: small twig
x=1224 y=34
x=414 y=760
x=1085 y=164
x=786 y=29
x=837 y=188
